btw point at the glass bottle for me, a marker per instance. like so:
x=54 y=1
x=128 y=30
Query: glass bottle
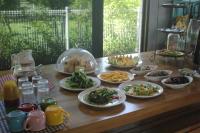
x=192 y=35
x=196 y=56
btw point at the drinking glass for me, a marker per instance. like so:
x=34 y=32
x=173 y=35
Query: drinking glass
x=192 y=35
x=28 y=95
x=42 y=89
x=173 y=41
x=36 y=78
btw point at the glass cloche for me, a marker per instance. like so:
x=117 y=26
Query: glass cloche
x=76 y=59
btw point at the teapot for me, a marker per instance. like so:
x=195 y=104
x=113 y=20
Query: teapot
x=23 y=63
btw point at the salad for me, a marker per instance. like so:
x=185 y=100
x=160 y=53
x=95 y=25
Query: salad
x=141 y=90
x=102 y=96
x=80 y=80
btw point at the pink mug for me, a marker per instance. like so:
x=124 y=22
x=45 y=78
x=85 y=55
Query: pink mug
x=35 y=121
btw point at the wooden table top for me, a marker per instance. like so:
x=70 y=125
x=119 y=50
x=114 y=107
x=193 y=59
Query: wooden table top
x=88 y=119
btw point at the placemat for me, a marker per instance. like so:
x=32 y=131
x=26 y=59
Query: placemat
x=4 y=126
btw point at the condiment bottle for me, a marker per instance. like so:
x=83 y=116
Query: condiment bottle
x=10 y=95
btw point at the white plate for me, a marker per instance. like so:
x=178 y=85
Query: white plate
x=82 y=97
x=141 y=72
x=62 y=71
x=130 y=76
x=157 y=78
x=138 y=82
x=177 y=86
x=63 y=84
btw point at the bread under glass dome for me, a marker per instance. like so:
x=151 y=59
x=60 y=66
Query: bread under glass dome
x=75 y=59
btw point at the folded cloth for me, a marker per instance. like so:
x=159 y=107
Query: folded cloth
x=12 y=77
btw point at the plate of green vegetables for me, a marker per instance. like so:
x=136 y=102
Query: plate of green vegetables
x=79 y=81
x=141 y=89
x=102 y=97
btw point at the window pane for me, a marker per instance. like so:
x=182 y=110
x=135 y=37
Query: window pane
x=122 y=20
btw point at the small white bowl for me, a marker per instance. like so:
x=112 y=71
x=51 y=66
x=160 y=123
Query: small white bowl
x=177 y=86
x=141 y=72
x=157 y=78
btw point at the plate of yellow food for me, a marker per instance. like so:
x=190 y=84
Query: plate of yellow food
x=170 y=53
x=141 y=89
x=115 y=77
x=123 y=61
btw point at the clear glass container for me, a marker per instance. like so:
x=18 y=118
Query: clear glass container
x=76 y=59
x=192 y=35
x=173 y=41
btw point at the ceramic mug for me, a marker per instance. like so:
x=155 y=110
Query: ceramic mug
x=55 y=115
x=35 y=121
x=15 y=120
x=27 y=107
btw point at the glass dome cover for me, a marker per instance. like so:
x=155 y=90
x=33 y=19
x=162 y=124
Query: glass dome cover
x=75 y=59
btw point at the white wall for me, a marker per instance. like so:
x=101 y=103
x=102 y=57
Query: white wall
x=159 y=17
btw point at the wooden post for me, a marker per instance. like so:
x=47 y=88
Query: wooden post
x=97 y=28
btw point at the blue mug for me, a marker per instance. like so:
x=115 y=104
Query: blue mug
x=15 y=120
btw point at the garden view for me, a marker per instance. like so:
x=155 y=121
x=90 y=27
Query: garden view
x=41 y=25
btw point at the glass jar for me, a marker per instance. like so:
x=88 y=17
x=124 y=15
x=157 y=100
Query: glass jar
x=173 y=41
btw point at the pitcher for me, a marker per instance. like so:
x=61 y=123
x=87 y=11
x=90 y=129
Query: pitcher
x=23 y=63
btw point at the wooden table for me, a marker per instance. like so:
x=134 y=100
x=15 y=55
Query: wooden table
x=152 y=115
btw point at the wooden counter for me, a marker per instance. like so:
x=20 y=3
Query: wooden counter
x=135 y=114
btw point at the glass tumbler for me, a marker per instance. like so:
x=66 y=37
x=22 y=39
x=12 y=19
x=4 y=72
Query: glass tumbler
x=28 y=95
x=42 y=89
x=173 y=41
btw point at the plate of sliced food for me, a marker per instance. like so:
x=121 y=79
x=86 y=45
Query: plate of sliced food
x=141 y=89
x=123 y=61
x=102 y=97
x=143 y=69
x=79 y=81
x=115 y=77
x=177 y=82
x=170 y=53
x=158 y=75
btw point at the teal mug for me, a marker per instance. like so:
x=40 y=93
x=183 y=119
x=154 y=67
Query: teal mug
x=15 y=120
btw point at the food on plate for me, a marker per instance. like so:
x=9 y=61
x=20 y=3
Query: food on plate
x=77 y=62
x=115 y=76
x=158 y=73
x=186 y=72
x=141 y=90
x=177 y=80
x=171 y=53
x=80 y=80
x=102 y=96
x=142 y=68
x=123 y=60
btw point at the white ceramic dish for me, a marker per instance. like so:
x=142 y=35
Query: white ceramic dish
x=82 y=97
x=157 y=78
x=138 y=82
x=196 y=74
x=186 y=72
x=142 y=72
x=63 y=84
x=177 y=86
x=130 y=77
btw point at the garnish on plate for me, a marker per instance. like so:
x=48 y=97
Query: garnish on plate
x=141 y=90
x=170 y=53
x=102 y=96
x=80 y=80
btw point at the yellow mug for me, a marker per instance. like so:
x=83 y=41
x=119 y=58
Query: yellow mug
x=55 y=115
